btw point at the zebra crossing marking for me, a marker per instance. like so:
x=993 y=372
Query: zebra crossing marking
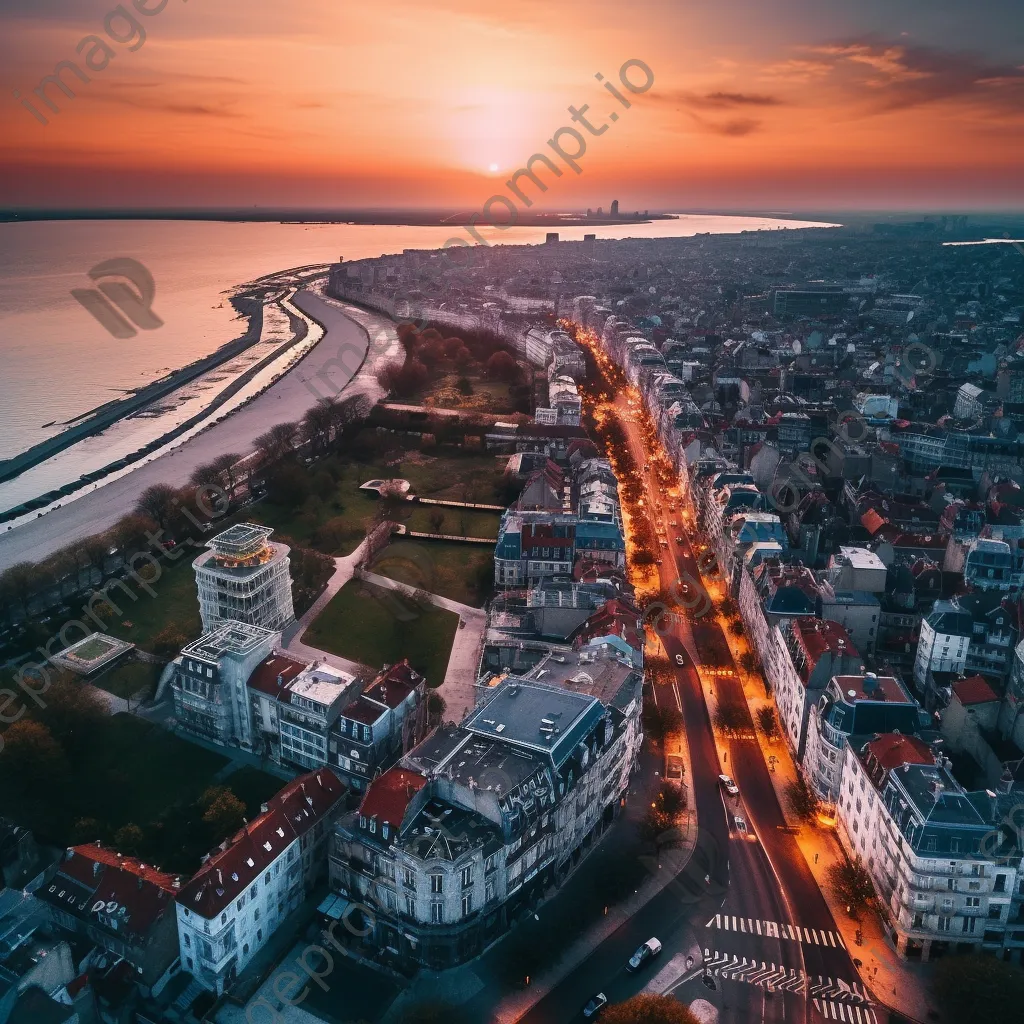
x=846 y=1012
x=835 y=998
x=777 y=930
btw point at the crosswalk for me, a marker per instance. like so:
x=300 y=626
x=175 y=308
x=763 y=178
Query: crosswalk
x=777 y=930
x=753 y=972
x=830 y=992
x=846 y=1012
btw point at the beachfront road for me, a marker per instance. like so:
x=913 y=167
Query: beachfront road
x=286 y=400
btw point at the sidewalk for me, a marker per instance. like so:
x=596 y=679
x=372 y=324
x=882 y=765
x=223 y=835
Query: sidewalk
x=896 y=984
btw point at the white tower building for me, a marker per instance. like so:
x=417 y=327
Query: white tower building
x=245 y=577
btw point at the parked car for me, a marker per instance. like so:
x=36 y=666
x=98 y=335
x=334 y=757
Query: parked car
x=595 y=1005
x=680 y=660
x=648 y=951
x=728 y=785
x=679 y=540
x=741 y=825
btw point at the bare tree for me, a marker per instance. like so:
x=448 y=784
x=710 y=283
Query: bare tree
x=158 y=503
x=225 y=465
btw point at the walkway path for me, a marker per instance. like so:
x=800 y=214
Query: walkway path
x=344 y=569
x=458 y=689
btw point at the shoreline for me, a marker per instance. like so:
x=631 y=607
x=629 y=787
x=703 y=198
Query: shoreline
x=286 y=399
x=257 y=295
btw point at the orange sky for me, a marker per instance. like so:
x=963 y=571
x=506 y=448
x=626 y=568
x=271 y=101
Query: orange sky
x=755 y=104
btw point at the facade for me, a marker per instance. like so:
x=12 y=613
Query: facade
x=246 y=888
x=293 y=708
x=945 y=636
x=813 y=652
x=944 y=866
x=850 y=707
x=122 y=905
x=209 y=681
x=386 y=720
x=451 y=845
x=245 y=577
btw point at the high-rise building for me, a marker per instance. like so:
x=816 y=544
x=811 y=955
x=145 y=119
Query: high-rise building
x=615 y=207
x=245 y=577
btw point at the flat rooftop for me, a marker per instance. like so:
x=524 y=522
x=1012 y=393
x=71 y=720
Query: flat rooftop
x=241 y=539
x=231 y=637
x=536 y=717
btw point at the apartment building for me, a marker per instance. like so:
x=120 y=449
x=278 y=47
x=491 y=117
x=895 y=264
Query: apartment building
x=294 y=706
x=945 y=868
x=808 y=654
x=854 y=706
x=209 y=681
x=245 y=577
x=122 y=905
x=466 y=833
x=246 y=888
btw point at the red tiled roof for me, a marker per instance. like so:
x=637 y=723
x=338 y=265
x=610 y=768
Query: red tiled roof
x=818 y=636
x=134 y=893
x=390 y=794
x=265 y=676
x=291 y=813
x=974 y=690
x=393 y=685
x=893 y=750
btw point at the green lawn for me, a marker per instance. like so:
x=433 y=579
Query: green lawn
x=335 y=516
x=373 y=626
x=490 y=396
x=128 y=678
x=175 y=604
x=460 y=572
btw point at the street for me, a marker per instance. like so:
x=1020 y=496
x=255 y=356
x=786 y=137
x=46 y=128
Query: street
x=746 y=908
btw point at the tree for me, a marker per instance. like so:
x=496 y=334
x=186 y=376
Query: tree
x=436 y=705
x=287 y=485
x=767 y=721
x=205 y=475
x=128 y=534
x=851 y=885
x=736 y=628
x=32 y=758
x=158 y=503
x=464 y=386
x=86 y=830
x=437 y=521
x=317 y=423
x=128 y=839
x=730 y=716
x=979 y=989
x=222 y=810
x=502 y=366
x=748 y=661
x=73 y=713
x=19 y=584
x=225 y=465
x=276 y=442
x=649 y=1009
x=802 y=800
x=671 y=800
x=661 y=720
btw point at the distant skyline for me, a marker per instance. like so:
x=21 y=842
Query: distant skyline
x=791 y=106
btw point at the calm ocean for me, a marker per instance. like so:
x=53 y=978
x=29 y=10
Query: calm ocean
x=58 y=362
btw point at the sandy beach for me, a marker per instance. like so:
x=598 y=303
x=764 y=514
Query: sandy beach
x=352 y=337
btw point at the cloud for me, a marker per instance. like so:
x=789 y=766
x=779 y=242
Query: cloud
x=902 y=76
x=735 y=128
x=719 y=100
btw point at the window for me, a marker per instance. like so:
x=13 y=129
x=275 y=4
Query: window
x=437 y=883
x=256 y=914
x=266 y=878
x=245 y=949
x=972 y=901
x=410 y=906
x=968 y=925
x=436 y=913
x=224 y=918
x=239 y=903
x=259 y=934
x=1000 y=885
x=467 y=876
x=253 y=891
x=488 y=891
x=467 y=905
x=943 y=924
x=407 y=879
x=188 y=941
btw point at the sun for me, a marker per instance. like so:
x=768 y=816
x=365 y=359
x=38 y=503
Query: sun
x=492 y=168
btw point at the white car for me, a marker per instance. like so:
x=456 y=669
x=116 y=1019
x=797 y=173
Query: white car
x=650 y=949
x=679 y=660
x=595 y=1005
x=728 y=785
